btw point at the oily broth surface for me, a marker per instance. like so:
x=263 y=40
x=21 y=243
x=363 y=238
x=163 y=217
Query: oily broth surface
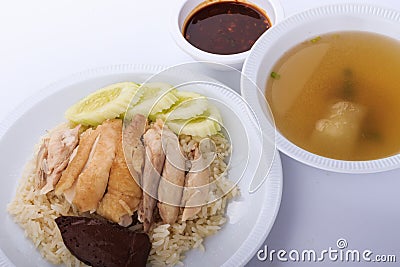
x=313 y=76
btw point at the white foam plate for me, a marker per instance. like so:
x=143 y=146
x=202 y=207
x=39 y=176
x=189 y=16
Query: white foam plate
x=250 y=217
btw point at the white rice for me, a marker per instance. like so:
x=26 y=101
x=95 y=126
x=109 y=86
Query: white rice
x=35 y=213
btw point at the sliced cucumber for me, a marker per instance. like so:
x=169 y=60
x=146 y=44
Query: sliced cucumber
x=186 y=109
x=183 y=95
x=156 y=97
x=212 y=112
x=199 y=127
x=203 y=125
x=107 y=103
x=163 y=102
x=184 y=112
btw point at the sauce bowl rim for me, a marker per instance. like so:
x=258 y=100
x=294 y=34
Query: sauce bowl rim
x=198 y=54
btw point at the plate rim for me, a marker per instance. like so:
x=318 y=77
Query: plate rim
x=256 y=232
x=256 y=236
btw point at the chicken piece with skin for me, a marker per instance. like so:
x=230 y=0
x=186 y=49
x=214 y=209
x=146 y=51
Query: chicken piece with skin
x=338 y=132
x=78 y=162
x=133 y=147
x=154 y=162
x=196 y=190
x=123 y=192
x=91 y=184
x=173 y=178
x=54 y=155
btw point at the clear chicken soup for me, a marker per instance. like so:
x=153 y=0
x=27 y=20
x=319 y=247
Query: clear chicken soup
x=338 y=95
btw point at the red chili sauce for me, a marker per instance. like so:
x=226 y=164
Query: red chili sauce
x=225 y=27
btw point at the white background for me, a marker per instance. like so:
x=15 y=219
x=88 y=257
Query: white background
x=44 y=41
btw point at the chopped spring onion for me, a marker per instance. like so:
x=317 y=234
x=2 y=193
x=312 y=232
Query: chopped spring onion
x=316 y=39
x=275 y=75
x=372 y=135
x=348 y=85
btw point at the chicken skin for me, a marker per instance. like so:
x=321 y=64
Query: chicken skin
x=92 y=182
x=154 y=162
x=54 y=155
x=196 y=190
x=78 y=162
x=173 y=178
x=123 y=193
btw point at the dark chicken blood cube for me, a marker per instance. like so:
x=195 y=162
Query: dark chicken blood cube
x=102 y=243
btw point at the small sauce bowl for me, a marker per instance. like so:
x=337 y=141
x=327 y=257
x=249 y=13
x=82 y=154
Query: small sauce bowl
x=180 y=15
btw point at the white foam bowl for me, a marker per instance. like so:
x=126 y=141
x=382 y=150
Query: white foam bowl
x=272 y=8
x=304 y=26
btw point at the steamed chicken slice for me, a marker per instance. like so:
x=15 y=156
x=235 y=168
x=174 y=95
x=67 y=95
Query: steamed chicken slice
x=41 y=164
x=82 y=155
x=133 y=147
x=196 y=190
x=54 y=155
x=92 y=182
x=173 y=178
x=123 y=193
x=339 y=130
x=154 y=161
